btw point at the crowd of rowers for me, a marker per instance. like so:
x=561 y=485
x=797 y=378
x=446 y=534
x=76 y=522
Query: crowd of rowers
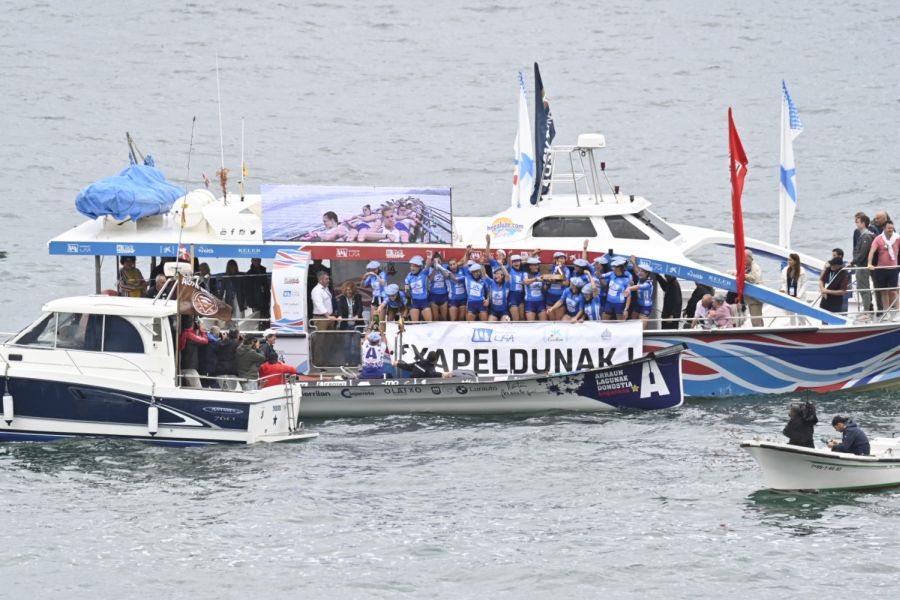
x=502 y=288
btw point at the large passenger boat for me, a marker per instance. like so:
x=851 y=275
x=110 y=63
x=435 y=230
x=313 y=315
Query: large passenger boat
x=798 y=346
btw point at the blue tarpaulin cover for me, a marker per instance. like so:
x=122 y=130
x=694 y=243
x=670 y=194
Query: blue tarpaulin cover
x=138 y=191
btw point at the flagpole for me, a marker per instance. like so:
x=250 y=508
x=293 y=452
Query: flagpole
x=737 y=166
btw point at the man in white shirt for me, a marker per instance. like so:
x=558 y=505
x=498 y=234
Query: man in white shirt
x=322 y=304
x=701 y=312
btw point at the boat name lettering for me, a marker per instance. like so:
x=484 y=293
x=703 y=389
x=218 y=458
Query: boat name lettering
x=826 y=467
x=402 y=391
x=352 y=393
x=391 y=382
x=319 y=393
x=332 y=383
x=222 y=410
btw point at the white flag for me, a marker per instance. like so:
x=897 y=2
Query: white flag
x=523 y=174
x=791 y=127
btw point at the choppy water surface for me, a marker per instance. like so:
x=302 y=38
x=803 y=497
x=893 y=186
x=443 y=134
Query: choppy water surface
x=414 y=94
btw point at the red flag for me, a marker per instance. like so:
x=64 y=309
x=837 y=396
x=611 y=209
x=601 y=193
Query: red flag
x=738 y=168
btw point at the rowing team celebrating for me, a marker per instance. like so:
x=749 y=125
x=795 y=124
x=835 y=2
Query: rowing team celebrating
x=517 y=289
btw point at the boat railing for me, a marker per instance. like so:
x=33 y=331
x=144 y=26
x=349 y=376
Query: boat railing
x=224 y=383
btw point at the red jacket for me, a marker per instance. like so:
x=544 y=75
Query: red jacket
x=268 y=368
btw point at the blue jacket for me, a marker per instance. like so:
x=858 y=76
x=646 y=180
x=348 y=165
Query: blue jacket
x=854 y=440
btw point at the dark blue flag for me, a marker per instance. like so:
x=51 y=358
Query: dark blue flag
x=544 y=132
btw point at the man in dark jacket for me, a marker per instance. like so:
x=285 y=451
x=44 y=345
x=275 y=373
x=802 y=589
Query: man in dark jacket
x=226 y=358
x=853 y=439
x=799 y=430
x=249 y=359
x=424 y=367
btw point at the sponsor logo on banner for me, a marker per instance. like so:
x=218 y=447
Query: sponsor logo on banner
x=125 y=249
x=555 y=335
x=391 y=253
x=504 y=227
x=346 y=253
x=484 y=334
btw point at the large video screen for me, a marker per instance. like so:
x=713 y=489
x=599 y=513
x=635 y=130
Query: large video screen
x=304 y=213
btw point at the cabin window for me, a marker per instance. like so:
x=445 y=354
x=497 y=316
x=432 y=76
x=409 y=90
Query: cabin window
x=556 y=227
x=121 y=336
x=657 y=224
x=622 y=228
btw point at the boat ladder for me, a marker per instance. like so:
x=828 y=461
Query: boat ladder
x=290 y=392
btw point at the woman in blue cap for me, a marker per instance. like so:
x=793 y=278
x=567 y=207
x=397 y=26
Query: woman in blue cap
x=499 y=292
x=376 y=279
x=618 y=294
x=416 y=286
x=456 y=287
x=593 y=306
x=600 y=275
x=438 y=289
x=374 y=348
x=393 y=305
x=558 y=284
x=535 y=305
x=572 y=302
x=516 y=278
x=643 y=292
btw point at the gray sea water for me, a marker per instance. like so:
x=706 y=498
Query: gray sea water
x=411 y=94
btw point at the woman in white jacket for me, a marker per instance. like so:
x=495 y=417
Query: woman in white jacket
x=793 y=283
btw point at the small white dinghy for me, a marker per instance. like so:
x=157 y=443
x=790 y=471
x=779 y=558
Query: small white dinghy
x=787 y=467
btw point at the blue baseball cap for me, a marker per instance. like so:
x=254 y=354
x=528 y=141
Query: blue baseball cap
x=475 y=267
x=559 y=255
x=577 y=282
x=619 y=262
x=373 y=264
x=533 y=261
x=580 y=262
x=587 y=290
x=601 y=260
x=417 y=260
x=392 y=289
x=374 y=337
x=514 y=257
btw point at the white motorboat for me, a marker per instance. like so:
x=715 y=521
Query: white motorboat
x=787 y=467
x=652 y=382
x=105 y=366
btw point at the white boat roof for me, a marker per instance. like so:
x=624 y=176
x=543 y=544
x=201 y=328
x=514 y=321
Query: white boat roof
x=100 y=304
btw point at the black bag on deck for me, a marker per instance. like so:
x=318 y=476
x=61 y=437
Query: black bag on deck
x=808 y=413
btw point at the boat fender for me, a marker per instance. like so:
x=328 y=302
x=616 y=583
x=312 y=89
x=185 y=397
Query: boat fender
x=8 y=406
x=152 y=419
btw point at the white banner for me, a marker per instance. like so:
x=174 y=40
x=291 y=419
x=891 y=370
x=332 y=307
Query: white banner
x=288 y=290
x=520 y=348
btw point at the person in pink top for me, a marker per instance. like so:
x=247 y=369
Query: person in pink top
x=720 y=313
x=886 y=249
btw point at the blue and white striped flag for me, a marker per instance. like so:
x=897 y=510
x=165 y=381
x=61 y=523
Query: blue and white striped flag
x=523 y=175
x=791 y=127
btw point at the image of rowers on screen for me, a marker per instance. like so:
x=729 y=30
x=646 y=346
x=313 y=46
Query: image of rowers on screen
x=396 y=222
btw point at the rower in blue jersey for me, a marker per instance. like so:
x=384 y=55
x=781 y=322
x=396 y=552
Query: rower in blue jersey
x=571 y=301
x=516 y=279
x=535 y=305
x=394 y=304
x=375 y=279
x=599 y=268
x=416 y=283
x=456 y=287
x=560 y=281
x=475 y=284
x=438 y=289
x=499 y=291
x=593 y=306
x=618 y=294
x=581 y=271
x=643 y=292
